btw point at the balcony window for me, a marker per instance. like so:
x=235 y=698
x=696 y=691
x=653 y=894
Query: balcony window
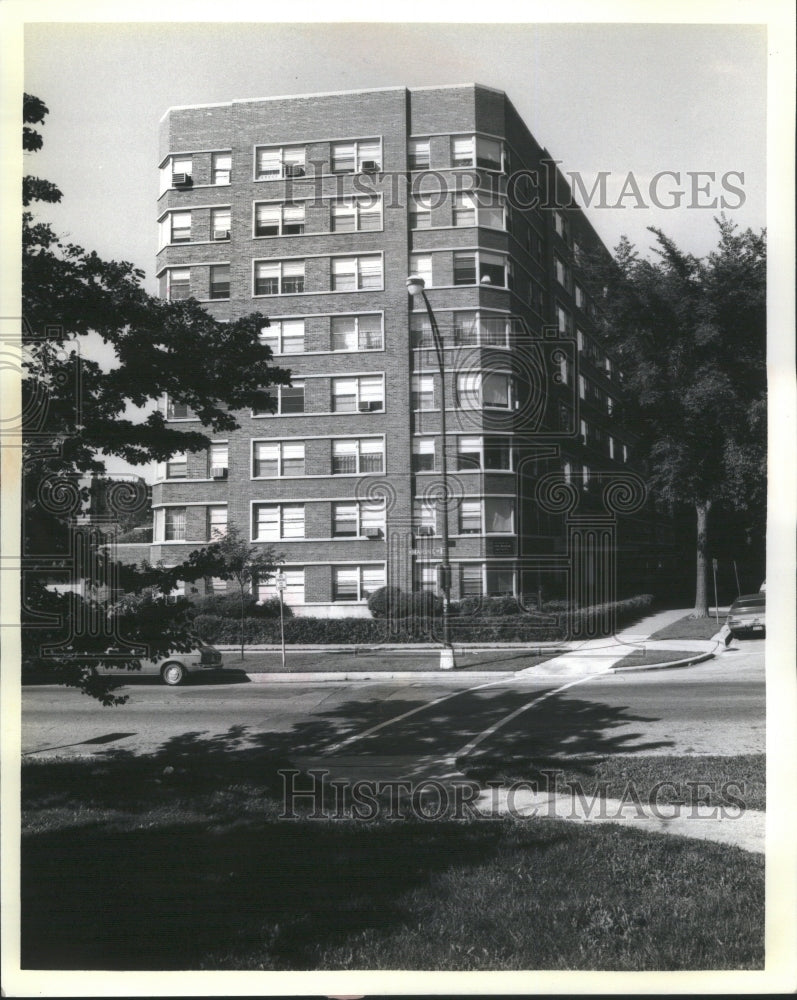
x=351 y=274
x=357 y=333
x=220 y=281
x=352 y=455
x=285 y=219
x=418 y=156
x=220 y=168
x=277 y=162
x=276 y=459
x=283 y=336
x=281 y=277
x=174 y=524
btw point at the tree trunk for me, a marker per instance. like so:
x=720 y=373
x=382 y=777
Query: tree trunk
x=242 y=620
x=701 y=582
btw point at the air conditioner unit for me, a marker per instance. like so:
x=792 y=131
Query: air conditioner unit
x=369 y=167
x=364 y=407
x=221 y=234
x=219 y=472
x=182 y=180
x=293 y=170
x=373 y=532
x=375 y=404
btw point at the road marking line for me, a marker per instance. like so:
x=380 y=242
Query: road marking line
x=413 y=711
x=469 y=747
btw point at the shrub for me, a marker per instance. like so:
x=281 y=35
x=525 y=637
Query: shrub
x=271 y=609
x=387 y=602
x=225 y=605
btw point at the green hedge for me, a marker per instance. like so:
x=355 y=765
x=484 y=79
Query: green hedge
x=530 y=628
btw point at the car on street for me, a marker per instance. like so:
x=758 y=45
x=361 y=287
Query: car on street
x=175 y=667
x=747 y=615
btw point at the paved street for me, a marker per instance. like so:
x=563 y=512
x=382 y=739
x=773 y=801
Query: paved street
x=714 y=707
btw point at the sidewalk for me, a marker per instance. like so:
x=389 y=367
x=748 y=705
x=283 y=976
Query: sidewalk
x=571 y=659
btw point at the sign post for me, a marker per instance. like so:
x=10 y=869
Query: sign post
x=716 y=602
x=281 y=584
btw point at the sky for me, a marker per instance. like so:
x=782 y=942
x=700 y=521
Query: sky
x=619 y=98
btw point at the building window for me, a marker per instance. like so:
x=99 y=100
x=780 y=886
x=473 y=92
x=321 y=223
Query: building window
x=421 y=331
x=563 y=320
x=362 y=157
x=275 y=162
x=363 y=520
x=500 y=582
x=470 y=581
x=424 y=517
x=418 y=154
x=499 y=515
x=560 y=225
x=177 y=467
x=217 y=523
x=177 y=283
x=220 y=281
x=470 y=517
x=493 y=390
x=421 y=211
x=353 y=455
x=176 y=410
x=277 y=522
x=580 y=297
x=469 y=454
x=286 y=399
x=423 y=455
x=180 y=227
x=483 y=268
x=498 y=454
x=475 y=328
x=464 y=209
x=351 y=274
x=363 y=394
x=421 y=265
x=475 y=151
x=276 y=459
x=357 y=333
x=220 y=168
x=356 y=583
x=284 y=336
x=292 y=595
x=350 y=215
x=279 y=219
x=582 y=387
x=423 y=392
x=182 y=169
x=218 y=460
x=469 y=212
x=561 y=271
x=220 y=224
x=174 y=524
x=279 y=277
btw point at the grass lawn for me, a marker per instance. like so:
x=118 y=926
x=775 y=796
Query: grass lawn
x=746 y=772
x=690 y=628
x=299 y=661
x=126 y=866
x=646 y=657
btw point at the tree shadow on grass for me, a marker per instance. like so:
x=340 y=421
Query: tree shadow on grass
x=180 y=860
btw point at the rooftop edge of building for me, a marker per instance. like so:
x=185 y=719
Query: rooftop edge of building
x=329 y=93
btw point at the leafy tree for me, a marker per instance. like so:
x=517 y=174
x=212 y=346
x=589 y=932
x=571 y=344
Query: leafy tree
x=690 y=337
x=76 y=411
x=235 y=559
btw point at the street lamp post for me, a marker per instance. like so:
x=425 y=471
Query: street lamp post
x=416 y=286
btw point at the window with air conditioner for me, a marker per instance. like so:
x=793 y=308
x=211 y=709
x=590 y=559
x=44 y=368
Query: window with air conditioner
x=182 y=169
x=424 y=517
x=278 y=162
x=362 y=394
x=218 y=460
x=358 y=156
x=220 y=223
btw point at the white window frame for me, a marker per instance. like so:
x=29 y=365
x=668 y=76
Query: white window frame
x=363 y=150
x=214 y=529
x=288 y=218
x=361 y=340
x=355 y=444
x=363 y=386
x=280 y=447
x=171 y=512
x=422 y=146
x=276 y=392
x=292 y=595
x=356 y=268
x=423 y=392
x=470 y=386
x=287 y=514
x=218 y=171
x=291 y=161
x=363 y=209
x=423 y=446
x=281 y=276
x=279 y=331
x=358 y=571
x=365 y=515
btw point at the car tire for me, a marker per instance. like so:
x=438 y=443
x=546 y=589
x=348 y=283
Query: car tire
x=173 y=673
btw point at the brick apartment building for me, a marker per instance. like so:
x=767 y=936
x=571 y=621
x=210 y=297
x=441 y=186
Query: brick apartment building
x=314 y=210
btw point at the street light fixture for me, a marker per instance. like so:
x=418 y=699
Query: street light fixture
x=416 y=286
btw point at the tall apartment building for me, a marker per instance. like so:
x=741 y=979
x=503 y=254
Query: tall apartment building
x=314 y=210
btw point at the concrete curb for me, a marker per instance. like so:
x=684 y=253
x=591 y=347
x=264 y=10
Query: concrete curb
x=699 y=658
x=379 y=675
